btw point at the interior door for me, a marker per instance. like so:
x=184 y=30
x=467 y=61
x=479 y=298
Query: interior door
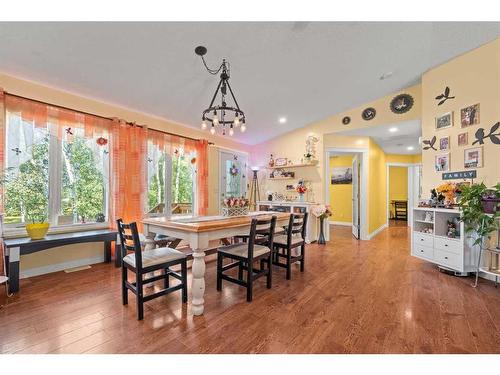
x=232 y=177
x=355 y=196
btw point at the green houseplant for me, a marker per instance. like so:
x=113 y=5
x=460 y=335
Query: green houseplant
x=472 y=206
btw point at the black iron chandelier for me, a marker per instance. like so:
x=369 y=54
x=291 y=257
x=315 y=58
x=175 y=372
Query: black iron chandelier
x=223 y=118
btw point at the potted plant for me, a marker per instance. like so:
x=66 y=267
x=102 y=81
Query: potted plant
x=322 y=212
x=491 y=199
x=235 y=206
x=301 y=189
x=477 y=221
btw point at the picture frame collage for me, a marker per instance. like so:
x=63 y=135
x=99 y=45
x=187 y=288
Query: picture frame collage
x=473 y=156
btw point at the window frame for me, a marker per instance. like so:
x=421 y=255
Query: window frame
x=55 y=188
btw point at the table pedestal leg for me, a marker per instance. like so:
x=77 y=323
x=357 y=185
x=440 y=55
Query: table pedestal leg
x=198 y=271
x=149 y=244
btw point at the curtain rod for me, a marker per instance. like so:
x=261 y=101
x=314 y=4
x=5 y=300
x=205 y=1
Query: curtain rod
x=99 y=116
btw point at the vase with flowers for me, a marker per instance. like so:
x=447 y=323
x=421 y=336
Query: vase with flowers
x=448 y=190
x=301 y=189
x=235 y=206
x=322 y=212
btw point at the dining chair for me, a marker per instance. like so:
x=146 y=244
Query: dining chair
x=294 y=238
x=245 y=254
x=143 y=262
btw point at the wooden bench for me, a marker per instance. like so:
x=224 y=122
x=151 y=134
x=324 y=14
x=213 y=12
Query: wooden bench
x=15 y=247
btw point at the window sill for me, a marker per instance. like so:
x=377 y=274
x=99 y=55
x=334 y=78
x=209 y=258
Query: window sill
x=21 y=231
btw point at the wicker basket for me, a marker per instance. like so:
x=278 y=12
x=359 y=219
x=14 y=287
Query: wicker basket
x=235 y=211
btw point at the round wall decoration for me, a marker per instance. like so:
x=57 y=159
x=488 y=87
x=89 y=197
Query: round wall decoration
x=346 y=120
x=401 y=103
x=368 y=114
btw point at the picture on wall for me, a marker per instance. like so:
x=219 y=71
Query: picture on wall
x=444 y=143
x=469 y=116
x=442 y=162
x=444 y=121
x=473 y=157
x=341 y=176
x=463 y=139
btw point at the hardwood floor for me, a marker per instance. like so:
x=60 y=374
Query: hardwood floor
x=354 y=297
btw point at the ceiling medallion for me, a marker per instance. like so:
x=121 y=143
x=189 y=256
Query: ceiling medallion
x=401 y=103
x=223 y=118
x=346 y=120
x=368 y=114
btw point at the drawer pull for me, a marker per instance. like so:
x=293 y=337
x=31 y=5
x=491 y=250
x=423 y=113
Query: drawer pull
x=421 y=251
x=446 y=244
x=421 y=239
x=445 y=257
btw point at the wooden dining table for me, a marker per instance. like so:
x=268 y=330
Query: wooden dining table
x=197 y=231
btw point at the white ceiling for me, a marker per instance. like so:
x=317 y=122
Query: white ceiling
x=407 y=134
x=305 y=71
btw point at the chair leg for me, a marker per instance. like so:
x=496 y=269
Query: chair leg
x=140 y=300
x=240 y=270
x=167 y=278
x=219 y=271
x=249 y=282
x=124 y=286
x=184 y=281
x=288 y=264
x=302 y=257
x=270 y=271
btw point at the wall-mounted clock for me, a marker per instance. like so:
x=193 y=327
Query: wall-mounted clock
x=368 y=113
x=401 y=103
x=346 y=120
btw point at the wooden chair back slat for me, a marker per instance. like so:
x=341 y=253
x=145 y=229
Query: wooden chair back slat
x=266 y=228
x=129 y=241
x=297 y=224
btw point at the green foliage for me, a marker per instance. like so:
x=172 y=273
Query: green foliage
x=83 y=191
x=27 y=192
x=473 y=215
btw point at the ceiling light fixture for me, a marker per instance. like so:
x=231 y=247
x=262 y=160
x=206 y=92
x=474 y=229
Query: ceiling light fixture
x=282 y=120
x=393 y=130
x=410 y=148
x=385 y=75
x=222 y=117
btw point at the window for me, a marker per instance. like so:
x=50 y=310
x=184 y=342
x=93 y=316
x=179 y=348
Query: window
x=170 y=182
x=54 y=173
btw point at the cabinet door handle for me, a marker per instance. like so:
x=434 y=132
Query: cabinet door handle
x=445 y=257
x=421 y=239
x=446 y=244
x=421 y=251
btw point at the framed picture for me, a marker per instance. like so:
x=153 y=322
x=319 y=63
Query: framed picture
x=341 y=176
x=473 y=157
x=444 y=143
x=469 y=115
x=463 y=139
x=280 y=162
x=442 y=163
x=444 y=121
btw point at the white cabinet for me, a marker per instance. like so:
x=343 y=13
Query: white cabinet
x=430 y=241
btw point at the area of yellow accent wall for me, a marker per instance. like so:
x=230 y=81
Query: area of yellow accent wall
x=473 y=78
x=407 y=159
x=341 y=194
x=398 y=185
x=377 y=187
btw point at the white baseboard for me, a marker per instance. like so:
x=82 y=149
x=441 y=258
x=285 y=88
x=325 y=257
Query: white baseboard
x=60 y=266
x=377 y=231
x=345 y=223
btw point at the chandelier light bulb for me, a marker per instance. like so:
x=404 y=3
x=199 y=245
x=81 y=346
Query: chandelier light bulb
x=204 y=125
x=243 y=128
x=236 y=121
x=231 y=132
x=216 y=121
x=212 y=130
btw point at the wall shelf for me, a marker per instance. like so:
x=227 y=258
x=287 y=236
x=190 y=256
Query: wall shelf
x=282 y=178
x=293 y=166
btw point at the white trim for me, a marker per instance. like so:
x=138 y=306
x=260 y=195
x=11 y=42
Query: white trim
x=20 y=229
x=363 y=184
x=377 y=231
x=344 y=223
x=60 y=266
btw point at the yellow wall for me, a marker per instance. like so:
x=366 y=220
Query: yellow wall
x=377 y=187
x=341 y=195
x=407 y=159
x=472 y=78
x=39 y=92
x=398 y=185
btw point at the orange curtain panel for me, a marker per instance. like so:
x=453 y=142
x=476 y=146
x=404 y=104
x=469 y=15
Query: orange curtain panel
x=202 y=176
x=128 y=172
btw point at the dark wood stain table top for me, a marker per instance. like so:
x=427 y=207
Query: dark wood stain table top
x=354 y=297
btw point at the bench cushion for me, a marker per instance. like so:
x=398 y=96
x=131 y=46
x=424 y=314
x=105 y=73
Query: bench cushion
x=241 y=250
x=156 y=256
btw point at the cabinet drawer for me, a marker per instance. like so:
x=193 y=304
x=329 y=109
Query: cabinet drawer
x=423 y=251
x=448 y=259
x=445 y=244
x=423 y=239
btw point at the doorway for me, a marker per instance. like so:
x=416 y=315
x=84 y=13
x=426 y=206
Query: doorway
x=232 y=175
x=345 y=185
